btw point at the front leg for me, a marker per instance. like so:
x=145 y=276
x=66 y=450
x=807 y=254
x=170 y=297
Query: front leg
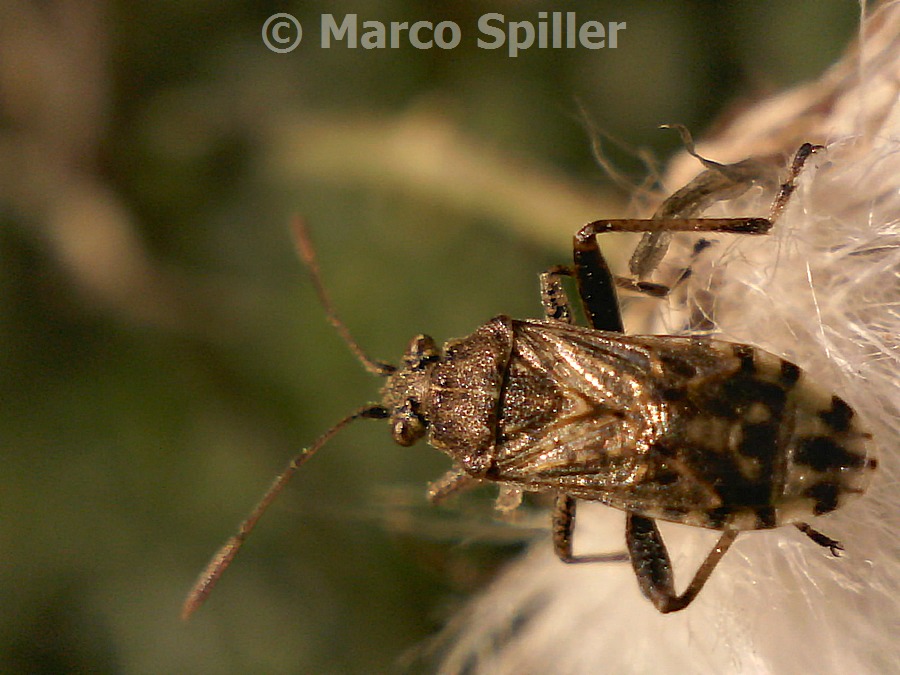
x=556 y=302
x=553 y=295
x=455 y=480
x=596 y=284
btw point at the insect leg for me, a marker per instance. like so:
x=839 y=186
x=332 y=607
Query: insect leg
x=653 y=569
x=727 y=225
x=644 y=287
x=455 y=480
x=827 y=542
x=787 y=188
x=596 y=284
x=553 y=295
x=564 y=528
x=718 y=182
x=556 y=302
x=661 y=290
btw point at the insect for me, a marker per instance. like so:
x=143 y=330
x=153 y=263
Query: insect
x=690 y=430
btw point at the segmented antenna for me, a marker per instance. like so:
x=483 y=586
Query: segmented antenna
x=308 y=254
x=223 y=557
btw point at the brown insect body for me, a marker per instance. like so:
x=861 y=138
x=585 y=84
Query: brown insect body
x=690 y=430
x=686 y=429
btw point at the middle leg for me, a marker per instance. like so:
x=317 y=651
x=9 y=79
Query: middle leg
x=564 y=529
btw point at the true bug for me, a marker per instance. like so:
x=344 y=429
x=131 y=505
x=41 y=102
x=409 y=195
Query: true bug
x=691 y=430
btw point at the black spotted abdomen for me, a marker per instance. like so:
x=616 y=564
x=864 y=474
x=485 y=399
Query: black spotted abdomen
x=768 y=446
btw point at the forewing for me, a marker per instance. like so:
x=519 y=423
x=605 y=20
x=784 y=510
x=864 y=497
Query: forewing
x=614 y=398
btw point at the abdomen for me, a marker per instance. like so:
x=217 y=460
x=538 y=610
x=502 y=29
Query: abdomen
x=766 y=446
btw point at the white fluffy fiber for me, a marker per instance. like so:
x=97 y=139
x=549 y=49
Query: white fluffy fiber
x=824 y=291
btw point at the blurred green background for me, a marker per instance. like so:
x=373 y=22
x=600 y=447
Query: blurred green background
x=162 y=353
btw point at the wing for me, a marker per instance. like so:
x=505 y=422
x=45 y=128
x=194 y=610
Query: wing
x=589 y=413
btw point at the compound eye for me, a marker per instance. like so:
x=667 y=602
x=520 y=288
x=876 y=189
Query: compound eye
x=407 y=425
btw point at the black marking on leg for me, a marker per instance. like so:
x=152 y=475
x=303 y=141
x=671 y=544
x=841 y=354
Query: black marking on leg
x=564 y=531
x=746 y=226
x=553 y=295
x=838 y=418
x=596 y=285
x=653 y=569
x=559 y=312
x=823 y=453
x=650 y=561
x=787 y=188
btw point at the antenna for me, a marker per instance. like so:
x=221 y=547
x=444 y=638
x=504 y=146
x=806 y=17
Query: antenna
x=223 y=557
x=308 y=254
